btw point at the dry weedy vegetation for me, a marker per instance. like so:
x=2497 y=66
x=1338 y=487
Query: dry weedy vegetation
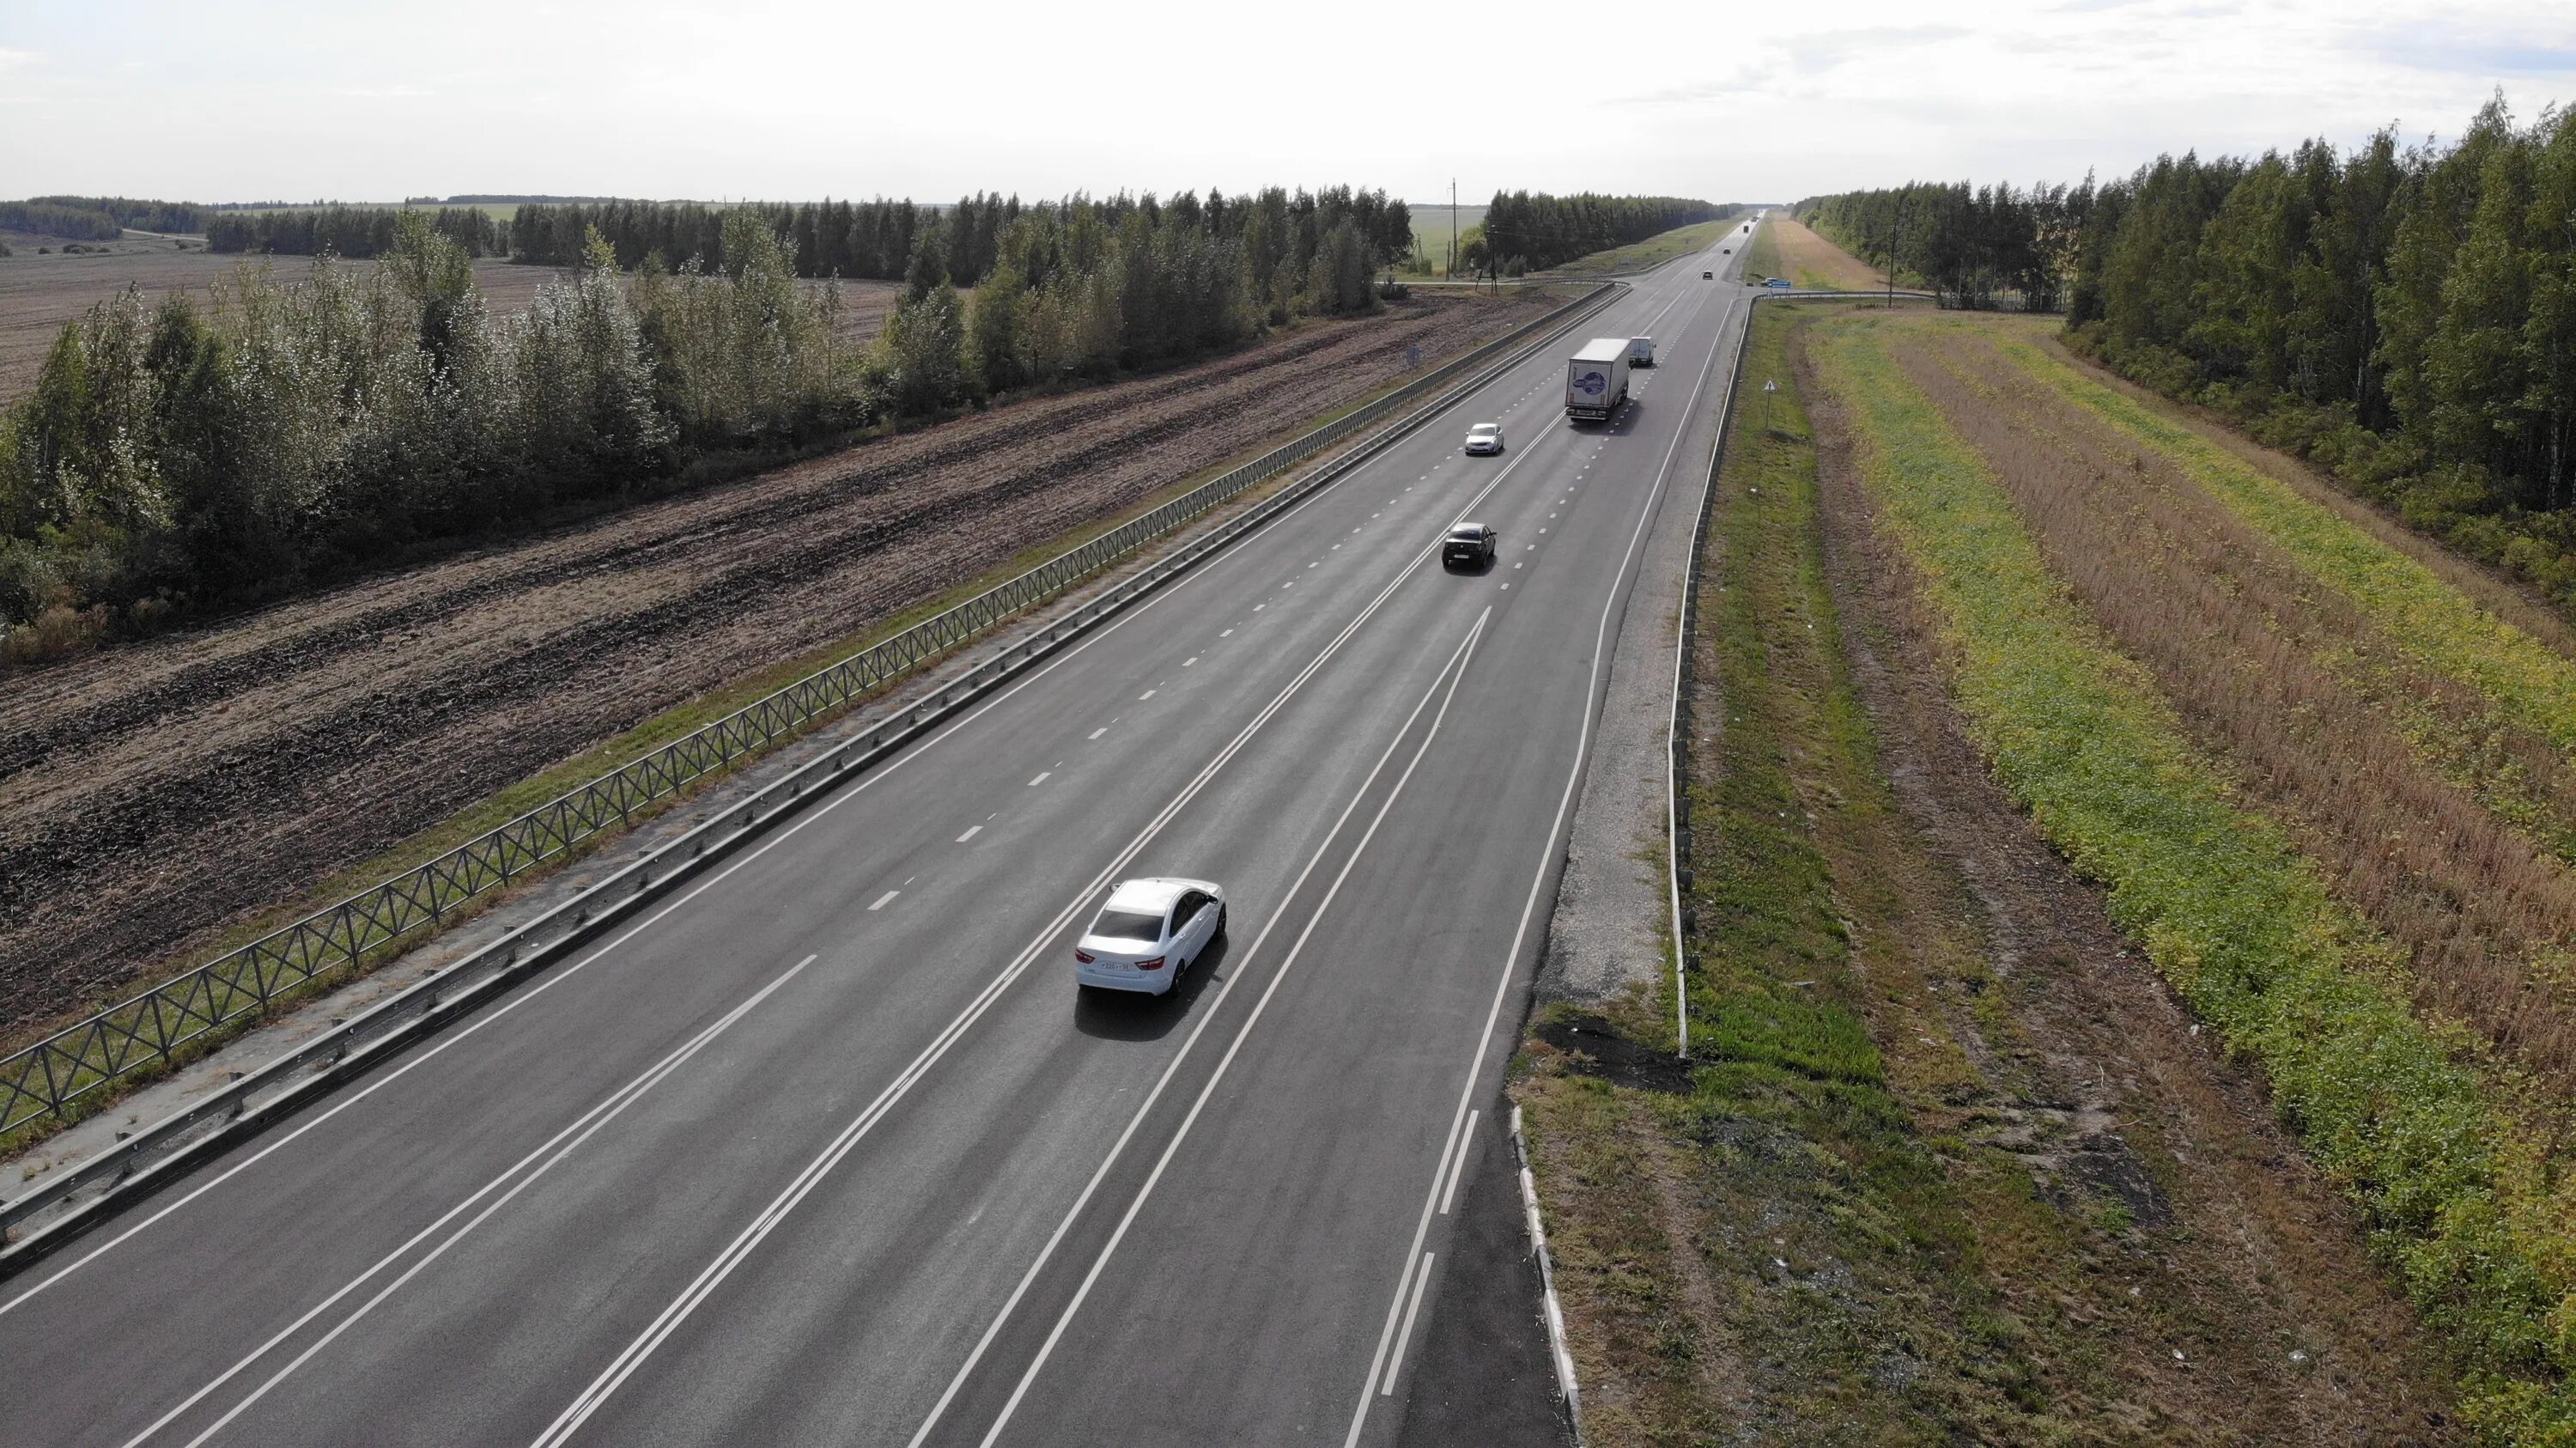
x=1811 y=261
x=1952 y=1167
x=2228 y=711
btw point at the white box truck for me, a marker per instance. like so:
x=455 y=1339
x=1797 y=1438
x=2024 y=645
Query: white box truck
x=1596 y=380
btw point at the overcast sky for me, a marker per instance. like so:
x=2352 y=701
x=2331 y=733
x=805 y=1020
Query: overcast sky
x=233 y=100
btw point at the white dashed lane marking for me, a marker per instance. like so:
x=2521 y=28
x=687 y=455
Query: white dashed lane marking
x=1103 y=729
x=882 y=899
x=971 y=832
x=1192 y=659
x=1041 y=779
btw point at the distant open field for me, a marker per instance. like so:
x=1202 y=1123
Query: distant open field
x=38 y=294
x=1432 y=229
x=1795 y=252
x=1661 y=247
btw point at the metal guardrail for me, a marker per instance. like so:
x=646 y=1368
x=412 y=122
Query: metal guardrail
x=148 y=1030
x=1677 y=822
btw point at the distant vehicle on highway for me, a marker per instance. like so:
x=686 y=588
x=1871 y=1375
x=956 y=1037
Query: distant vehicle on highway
x=1149 y=932
x=1469 y=545
x=1708 y=276
x=1596 y=380
x=1484 y=437
x=1777 y=282
x=1641 y=351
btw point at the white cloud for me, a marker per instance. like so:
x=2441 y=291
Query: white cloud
x=1727 y=99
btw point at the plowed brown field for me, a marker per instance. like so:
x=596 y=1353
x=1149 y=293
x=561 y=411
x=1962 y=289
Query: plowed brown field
x=153 y=795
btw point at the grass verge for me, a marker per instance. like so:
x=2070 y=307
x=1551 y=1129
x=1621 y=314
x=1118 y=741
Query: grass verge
x=2464 y=1210
x=1802 y=1240
x=1653 y=251
x=1762 y=251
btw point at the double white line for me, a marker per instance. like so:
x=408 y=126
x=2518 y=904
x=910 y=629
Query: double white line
x=521 y=1175
x=767 y=1220
x=1451 y=672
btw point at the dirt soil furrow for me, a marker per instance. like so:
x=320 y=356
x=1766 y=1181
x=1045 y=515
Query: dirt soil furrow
x=157 y=794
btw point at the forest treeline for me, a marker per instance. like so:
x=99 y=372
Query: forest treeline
x=175 y=454
x=98 y=218
x=2402 y=315
x=1524 y=231
x=878 y=239
x=349 y=231
x=1968 y=244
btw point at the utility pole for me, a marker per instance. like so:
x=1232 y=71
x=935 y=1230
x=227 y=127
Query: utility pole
x=1453 y=228
x=1895 y=232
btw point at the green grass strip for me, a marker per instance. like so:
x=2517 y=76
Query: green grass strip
x=2436 y=624
x=2226 y=908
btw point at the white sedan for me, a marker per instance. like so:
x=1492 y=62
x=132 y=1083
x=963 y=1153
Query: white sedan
x=1485 y=437
x=1148 y=933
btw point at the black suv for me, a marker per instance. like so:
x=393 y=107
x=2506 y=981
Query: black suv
x=1469 y=545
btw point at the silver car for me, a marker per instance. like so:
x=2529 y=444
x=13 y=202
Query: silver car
x=1484 y=437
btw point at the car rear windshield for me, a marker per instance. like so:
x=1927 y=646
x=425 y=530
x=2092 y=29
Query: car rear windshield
x=1466 y=535
x=1486 y=427
x=1128 y=925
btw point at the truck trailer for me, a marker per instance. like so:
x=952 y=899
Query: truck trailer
x=1596 y=380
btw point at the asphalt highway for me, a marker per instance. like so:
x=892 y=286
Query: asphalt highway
x=825 y=1150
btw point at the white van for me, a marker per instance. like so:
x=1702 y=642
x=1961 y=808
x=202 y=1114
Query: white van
x=1641 y=351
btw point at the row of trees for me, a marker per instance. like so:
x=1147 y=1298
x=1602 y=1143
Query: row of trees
x=1524 y=231
x=1970 y=245
x=350 y=231
x=2404 y=315
x=97 y=218
x=881 y=239
x=292 y=431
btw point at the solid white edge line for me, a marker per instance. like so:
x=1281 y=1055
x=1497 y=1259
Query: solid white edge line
x=844 y=795
x=1421 y=1280
x=615 y=1102
x=1456 y=1121
x=1208 y=1016
x=714 y=1274
x=1458 y=1167
x=1555 y=834
x=946 y=1397
x=1673 y=720
x=1242 y=1034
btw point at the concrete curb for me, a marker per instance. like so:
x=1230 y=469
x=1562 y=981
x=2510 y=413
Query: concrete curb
x=1557 y=1344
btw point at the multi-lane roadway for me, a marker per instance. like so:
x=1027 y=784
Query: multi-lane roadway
x=825 y=1150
